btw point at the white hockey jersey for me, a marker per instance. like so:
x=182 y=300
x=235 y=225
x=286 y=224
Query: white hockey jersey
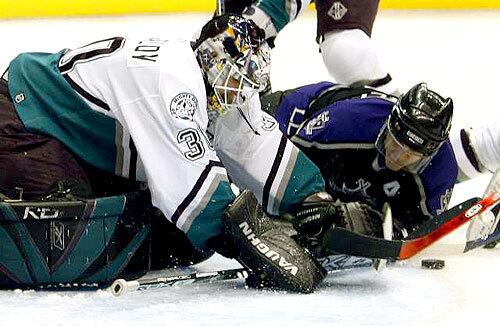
x=138 y=109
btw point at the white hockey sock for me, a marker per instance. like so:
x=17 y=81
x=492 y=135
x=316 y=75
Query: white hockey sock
x=477 y=150
x=486 y=142
x=350 y=56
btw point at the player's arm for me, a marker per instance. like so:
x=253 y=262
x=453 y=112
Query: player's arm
x=291 y=108
x=191 y=187
x=187 y=181
x=259 y=157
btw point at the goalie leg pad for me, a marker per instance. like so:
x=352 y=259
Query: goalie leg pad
x=75 y=242
x=266 y=248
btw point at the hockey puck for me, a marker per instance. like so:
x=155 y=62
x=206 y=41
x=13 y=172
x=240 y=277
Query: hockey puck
x=432 y=263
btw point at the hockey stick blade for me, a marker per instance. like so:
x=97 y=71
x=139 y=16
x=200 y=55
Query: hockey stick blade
x=335 y=263
x=347 y=242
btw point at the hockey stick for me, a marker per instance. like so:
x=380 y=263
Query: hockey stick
x=331 y=264
x=121 y=286
x=347 y=242
x=380 y=264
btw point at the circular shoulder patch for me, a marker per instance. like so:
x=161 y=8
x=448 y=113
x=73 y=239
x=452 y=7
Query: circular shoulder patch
x=183 y=106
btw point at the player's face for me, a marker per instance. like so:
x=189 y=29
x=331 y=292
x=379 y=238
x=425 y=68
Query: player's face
x=398 y=156
x=230 y=90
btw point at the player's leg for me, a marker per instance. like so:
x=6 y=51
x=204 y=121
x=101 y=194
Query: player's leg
x=477 y=150
x=349 y=54
x=33 y=162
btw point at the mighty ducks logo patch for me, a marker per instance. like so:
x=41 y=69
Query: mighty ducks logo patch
x=183 y=106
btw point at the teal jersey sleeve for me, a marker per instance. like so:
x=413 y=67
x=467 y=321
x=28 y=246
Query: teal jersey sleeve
x=282 y=12
x=305 y=179
x=264 y=160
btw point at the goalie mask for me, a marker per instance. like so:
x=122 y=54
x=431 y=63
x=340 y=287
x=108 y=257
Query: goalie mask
x=235 y=59
x=415 y=130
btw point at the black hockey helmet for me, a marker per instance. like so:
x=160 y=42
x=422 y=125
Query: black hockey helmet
x=420 y=121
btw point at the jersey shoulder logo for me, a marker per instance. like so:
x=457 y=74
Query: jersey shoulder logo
x=183 y=106
x=444 y=200
x=391 y=188
x=19 y=98
x=361 y=188
x=317 y=123
x=268 y=123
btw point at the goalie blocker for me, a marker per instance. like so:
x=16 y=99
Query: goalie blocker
x=266 y=248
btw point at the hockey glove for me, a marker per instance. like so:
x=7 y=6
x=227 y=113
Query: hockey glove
x=266 y=247
x=319 y=212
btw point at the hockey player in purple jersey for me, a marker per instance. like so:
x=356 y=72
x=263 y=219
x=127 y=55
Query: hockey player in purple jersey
x=372 y=148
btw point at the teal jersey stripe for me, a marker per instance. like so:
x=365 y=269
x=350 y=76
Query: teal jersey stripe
x=98 y=232
x=305 y=180
x=36 y=261
x=209 y=222
x=47 y=104
x=277 y=11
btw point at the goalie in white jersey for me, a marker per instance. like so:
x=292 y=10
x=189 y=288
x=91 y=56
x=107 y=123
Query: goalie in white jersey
x=180 y=116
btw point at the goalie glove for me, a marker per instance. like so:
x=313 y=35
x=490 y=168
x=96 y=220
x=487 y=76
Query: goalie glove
x=319 y=212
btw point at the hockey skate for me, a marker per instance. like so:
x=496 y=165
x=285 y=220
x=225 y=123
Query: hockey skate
x=495 y=233
x=485 y=229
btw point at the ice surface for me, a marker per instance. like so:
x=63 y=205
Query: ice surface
x=457 y=53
